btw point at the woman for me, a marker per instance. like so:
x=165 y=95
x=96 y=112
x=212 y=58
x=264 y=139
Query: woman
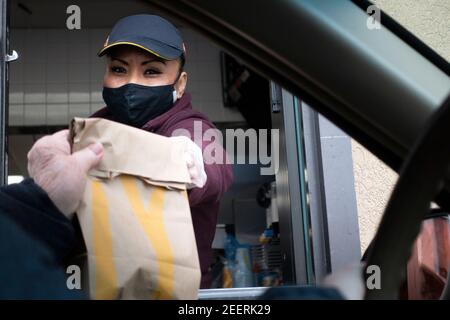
x=144 y=86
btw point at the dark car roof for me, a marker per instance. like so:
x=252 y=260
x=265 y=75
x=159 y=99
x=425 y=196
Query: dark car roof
x=371 y=83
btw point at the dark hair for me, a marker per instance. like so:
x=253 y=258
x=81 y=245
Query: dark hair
x=182 y=62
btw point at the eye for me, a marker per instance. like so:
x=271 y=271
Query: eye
x=118 y=70
x=152 y=72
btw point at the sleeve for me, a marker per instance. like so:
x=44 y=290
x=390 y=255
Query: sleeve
x=219 y=175
x=28 y=269
x=30 y=208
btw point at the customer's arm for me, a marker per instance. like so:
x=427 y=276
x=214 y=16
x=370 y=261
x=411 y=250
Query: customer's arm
x=36 y=233
x=29 y=206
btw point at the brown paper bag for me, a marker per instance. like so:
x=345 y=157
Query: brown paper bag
x=135 y=215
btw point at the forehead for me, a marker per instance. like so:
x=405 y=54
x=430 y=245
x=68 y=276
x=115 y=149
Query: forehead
x=124 y=51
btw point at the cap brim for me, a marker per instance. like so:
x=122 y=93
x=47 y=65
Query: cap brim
x=167 y=53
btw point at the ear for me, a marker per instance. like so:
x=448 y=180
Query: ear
x=180 y=85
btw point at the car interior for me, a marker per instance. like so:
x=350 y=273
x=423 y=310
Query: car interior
x=384 y=88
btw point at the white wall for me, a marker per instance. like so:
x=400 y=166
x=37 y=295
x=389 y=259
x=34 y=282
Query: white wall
x=58 y=76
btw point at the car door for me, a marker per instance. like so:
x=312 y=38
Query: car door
x=380 y=85
x=368 y=82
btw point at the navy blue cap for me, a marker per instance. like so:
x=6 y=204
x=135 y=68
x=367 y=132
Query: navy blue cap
x=148 y=32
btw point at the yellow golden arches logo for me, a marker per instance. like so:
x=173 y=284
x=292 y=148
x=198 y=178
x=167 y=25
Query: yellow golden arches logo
x=152 y=222
x=105 y=272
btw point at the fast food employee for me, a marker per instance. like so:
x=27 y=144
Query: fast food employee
x=144 y=86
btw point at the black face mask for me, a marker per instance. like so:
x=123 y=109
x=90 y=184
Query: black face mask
x=135 y=104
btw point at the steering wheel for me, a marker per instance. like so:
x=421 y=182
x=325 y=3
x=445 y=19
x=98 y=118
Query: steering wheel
x=423 y=175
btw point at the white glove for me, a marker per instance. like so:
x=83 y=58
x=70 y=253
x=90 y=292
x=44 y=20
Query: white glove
x=194 y=160
x=61 y=174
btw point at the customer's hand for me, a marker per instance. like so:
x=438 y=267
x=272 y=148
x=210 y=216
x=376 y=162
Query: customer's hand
x=194 y=161
x=61 y=174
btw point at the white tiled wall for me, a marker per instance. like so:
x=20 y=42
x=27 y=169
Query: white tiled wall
x=59 y=75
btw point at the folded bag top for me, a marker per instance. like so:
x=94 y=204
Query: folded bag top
x=120 y=141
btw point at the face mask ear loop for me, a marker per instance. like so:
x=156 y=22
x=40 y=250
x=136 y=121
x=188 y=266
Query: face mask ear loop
x=173 y=85
x=174 y=93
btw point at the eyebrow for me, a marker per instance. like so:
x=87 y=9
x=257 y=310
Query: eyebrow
x=153 y=60
x=143 y=63
x=120 y=60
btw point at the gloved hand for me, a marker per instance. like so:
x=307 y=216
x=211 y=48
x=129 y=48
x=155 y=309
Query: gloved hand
x=61 y=174
x=194 y=160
